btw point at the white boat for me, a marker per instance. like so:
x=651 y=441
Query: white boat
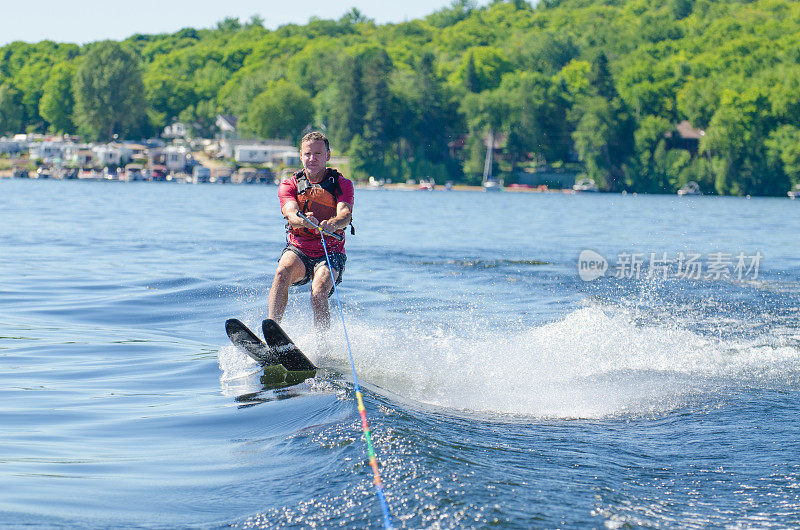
x=795 y=193
x=490 y=183
x=690 y=188
x=586 y=185
x=376 y=183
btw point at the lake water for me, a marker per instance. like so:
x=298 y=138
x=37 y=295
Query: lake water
x=502 y=389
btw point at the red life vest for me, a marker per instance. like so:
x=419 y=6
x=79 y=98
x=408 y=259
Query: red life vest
x=320 y=199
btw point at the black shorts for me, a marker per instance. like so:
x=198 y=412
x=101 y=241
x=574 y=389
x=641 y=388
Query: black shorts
x=337 y=262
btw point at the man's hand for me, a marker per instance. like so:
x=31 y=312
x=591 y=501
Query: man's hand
x=311 y=219
x=329 y=225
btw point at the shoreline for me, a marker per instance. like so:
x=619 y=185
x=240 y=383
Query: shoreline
x=7 y=174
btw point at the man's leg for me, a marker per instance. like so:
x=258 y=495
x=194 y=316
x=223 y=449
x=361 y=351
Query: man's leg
x=290 y=269
x=321 y=286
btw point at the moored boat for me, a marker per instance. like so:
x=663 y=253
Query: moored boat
x=586 y=185
x=690 y=188
x=489 y=183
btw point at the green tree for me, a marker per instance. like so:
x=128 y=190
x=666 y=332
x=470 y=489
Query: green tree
x=697 y=101
x=109 y=92
x=469 y=75
x=736 y=140
x=481 y=69
x=238 y=93
x=166 y=95
x=200 y=118
x=655 y=168
x=57 y=103
x=575 y=76
x=600 y=78
x=26 y=67
x=282 y=110
x=783 y=151
x=604 y=140
x=611 y=66
x=379 y=127
x=545 y=52
x=486 y=114
x=680 y=8
x=365 y=107
x=315 y=66
x=30 y=81
x=426 y=120
x=353 y=17
x=229 y=24
x=536 y=120
x=11 y=113
x=603 y=128
x=457 y=11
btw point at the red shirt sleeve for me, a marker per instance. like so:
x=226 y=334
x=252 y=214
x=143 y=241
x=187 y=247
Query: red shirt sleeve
x=287 y=191
x=348 y=192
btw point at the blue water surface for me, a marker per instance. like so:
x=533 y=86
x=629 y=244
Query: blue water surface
x=502 y=388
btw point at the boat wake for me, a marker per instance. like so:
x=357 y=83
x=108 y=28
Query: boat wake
x=594 y=362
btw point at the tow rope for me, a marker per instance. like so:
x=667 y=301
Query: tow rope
x=387 y=520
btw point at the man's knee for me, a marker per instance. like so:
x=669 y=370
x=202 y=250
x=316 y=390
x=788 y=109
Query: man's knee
x=322 y=284
x=283 y=275
x=321 y=288
x=290 y=269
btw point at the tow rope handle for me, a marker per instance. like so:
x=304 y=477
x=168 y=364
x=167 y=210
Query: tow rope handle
x=302 y=216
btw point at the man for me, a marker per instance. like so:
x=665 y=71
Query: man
x=326 y=198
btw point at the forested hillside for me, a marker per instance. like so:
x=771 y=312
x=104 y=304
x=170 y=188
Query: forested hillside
x=595 y=85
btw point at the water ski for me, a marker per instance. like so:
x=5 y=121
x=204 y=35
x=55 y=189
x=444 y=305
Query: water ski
x=288 y=353
x=282 y=361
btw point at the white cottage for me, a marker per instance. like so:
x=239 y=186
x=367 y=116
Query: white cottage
x=251 y=154
x=107 y=155
x=48 y=152
x=274 y=155
x=175 y=130
x=176 y=158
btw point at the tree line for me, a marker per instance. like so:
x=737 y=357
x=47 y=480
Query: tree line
x=593 y=86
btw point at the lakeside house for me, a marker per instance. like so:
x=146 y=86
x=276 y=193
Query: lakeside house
x=251 y=154
x=107 y=155
x=172 y=158
x=684 y=136
x=149 y=160
x=270 y=154
x=80 y=155
x=226 y=147
x=226 y=123
x=175 y=130
x=201 y=173
x=134 y=172
x=12 y=146
x=49 y=151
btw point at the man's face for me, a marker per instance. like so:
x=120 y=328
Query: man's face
x=314 y=156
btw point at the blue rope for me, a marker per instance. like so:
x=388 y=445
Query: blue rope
x=387 y=521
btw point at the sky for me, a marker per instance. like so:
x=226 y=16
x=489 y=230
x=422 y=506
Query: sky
x=82 y=21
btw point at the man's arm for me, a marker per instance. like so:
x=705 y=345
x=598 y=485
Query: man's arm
x=289 y=210
x=344 y=212
x=339 y=221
